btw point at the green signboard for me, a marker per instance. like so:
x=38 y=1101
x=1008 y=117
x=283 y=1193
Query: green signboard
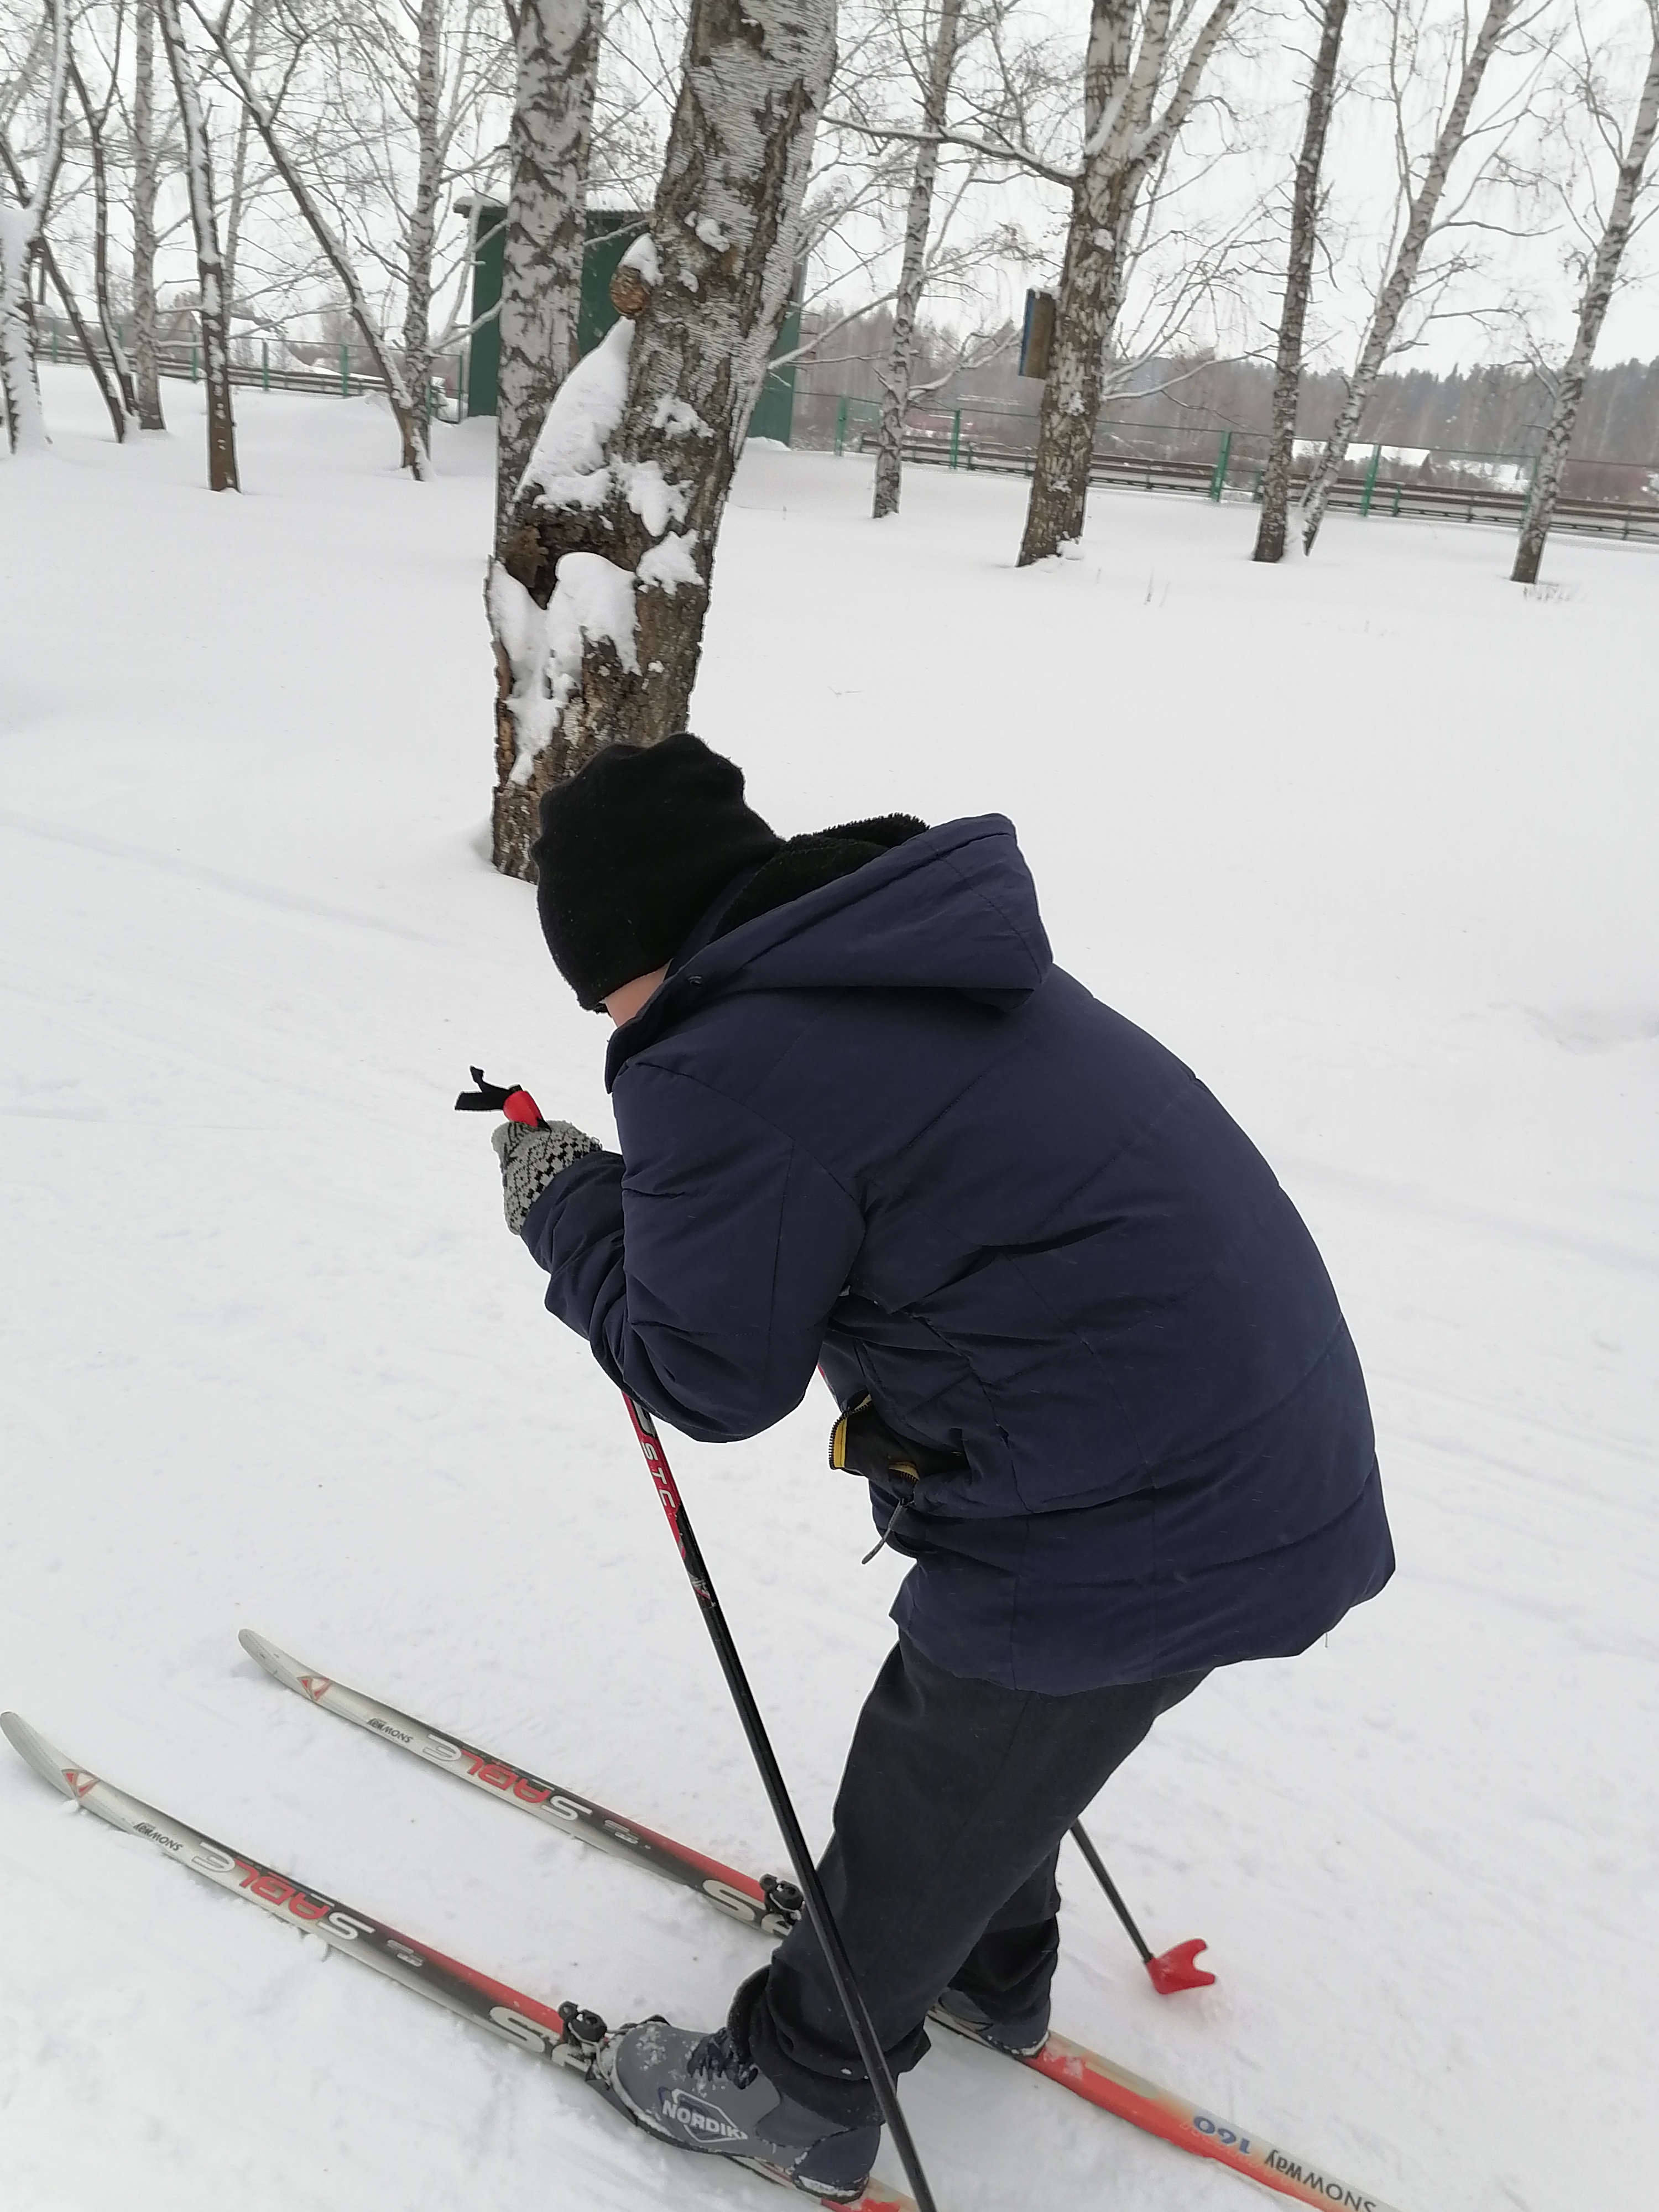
x=611 y=232
x=774 y=410
x=484 y=350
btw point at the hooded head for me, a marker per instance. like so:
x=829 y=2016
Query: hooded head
x=633 y=851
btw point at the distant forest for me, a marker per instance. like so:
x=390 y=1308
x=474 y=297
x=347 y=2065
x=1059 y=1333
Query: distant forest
x=1491 y=409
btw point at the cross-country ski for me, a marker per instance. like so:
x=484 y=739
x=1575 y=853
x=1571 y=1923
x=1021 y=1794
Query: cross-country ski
x=772 y=1908
x=568 y=2036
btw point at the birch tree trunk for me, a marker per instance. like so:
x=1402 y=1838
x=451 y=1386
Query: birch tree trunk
x=1077 y=363
x=424 y=221
x=239 y=166
x=19 y=379
x=557 y=48
x=598 y=596
x=19 y=242
x=120 y=415
x=1402 y=277
x=1299 y=285
x=107 y=322
x=1592 y=313
x=204 y=222
x=1124 y=138
x=147 y=384
x=895 y=380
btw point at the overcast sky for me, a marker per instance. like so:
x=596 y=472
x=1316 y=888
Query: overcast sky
x=1238 y=162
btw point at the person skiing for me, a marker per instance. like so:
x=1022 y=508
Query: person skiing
x=1087 y=1354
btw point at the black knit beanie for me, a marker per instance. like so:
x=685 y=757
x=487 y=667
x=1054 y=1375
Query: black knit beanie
x=633 y=851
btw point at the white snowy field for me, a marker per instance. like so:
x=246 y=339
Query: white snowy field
x=1370 y=843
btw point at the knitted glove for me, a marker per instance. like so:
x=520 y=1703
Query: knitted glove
x=531 y=1158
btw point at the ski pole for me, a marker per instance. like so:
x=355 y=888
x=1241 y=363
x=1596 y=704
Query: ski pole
x=516 y=1103
x=1169 y=1970
x=807 y=1874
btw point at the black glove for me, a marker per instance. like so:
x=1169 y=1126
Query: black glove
x=531 y=1158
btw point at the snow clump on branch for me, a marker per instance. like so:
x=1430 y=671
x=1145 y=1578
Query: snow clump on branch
x=642 y=255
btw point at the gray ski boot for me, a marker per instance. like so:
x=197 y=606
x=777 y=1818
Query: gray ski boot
x=694 y=2090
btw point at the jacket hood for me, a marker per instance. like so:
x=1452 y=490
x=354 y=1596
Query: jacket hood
x=953 y=909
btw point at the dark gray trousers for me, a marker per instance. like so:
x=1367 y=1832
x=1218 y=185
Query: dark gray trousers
x=940 y=1872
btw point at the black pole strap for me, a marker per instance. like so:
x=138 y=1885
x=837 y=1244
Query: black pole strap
x=487 y=1098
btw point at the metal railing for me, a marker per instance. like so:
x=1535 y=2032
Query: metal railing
x=341 y=380
x=1447 y=486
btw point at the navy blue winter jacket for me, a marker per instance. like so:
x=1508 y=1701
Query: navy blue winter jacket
x=877 y=1129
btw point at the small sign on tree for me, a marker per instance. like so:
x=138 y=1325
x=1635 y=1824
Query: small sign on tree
x=1036 y=337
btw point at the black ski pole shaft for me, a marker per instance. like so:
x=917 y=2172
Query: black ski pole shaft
x=771 y=1775
x=1097 y=1868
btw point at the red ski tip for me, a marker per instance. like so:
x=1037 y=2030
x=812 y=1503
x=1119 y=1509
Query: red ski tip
x=1175 y=1969
x=520 y=1106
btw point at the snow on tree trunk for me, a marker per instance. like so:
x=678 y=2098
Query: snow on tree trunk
x=1299 y=285
x=598 y=599
x=895 y=380
x=1402 y=277
x=20 y=382
x=1124 y=138
x=119 y=414
x=424 y=222
x=100 y=374
x=146 y=377
x=19 y=242
x=558 y=57
x=198 y=175
x=1592 y=312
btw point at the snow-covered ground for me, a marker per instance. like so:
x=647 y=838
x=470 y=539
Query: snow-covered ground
x=1370 y=843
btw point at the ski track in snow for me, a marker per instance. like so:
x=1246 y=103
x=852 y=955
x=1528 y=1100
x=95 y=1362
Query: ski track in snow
x=1367 y=840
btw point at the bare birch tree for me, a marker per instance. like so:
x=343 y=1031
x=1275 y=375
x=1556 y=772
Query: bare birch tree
x=96 y=120
x=21 y=222
x=1132 y=112
x=66 y=301
x=236 y=212
x=147 y=384
x=429 y=151
x=599 y=596
x=209 y=261
x=1184 y=249
x=1422 y=206
x=407 y=409
x=556 y=49
x=918 y=219
x=414 y=77
x=1298 y=286
x=1601 y=276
